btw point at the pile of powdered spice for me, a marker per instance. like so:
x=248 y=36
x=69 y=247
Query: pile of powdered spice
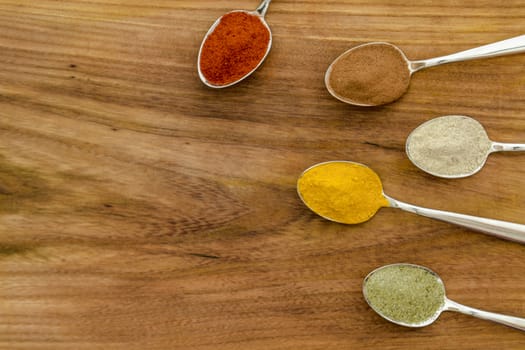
x=449 y=146
x=369 y=75
x=345 y=192
x=237 y=45
x=405 y=293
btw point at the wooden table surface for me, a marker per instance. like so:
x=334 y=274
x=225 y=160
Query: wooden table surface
x=140 y=209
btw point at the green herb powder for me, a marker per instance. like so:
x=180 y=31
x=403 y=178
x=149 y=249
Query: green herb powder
x=404 y=293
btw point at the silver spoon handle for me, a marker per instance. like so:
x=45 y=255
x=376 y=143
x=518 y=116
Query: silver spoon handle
x=263 y=8
x=501 y=229
x=509 y=147
x=511 y=321
x=500 y=48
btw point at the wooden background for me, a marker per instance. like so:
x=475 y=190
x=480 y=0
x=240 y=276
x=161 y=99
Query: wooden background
x=140 y=209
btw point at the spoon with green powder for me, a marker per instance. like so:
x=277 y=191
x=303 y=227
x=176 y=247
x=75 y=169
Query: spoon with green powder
x=351 y=193
x=453 y=146
x=414 y=296
x=234 y=47
x=377 y=73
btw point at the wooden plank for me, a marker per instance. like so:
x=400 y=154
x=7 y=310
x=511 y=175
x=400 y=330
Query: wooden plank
x=140 y=209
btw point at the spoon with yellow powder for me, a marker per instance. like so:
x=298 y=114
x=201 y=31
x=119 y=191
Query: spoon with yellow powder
x=414 y=296
x=351 y=193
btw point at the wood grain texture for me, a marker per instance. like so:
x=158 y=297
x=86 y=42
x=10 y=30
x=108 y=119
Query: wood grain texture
x=141 y=210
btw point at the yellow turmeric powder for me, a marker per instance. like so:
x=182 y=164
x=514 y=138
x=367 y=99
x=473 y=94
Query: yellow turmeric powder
x=340 y=191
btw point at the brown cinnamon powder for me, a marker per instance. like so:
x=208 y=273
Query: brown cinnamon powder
x=369 y=75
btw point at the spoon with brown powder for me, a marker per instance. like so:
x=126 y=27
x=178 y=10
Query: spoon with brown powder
x=377 y=73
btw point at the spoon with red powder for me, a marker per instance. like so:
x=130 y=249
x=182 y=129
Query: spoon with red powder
x=234 y=47
x=377 y=73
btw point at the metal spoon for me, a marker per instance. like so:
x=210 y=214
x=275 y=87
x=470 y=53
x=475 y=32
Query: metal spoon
x=500 y=48
x=446 y=304
x=459 y=146
x=260 y=12
x=501 y=229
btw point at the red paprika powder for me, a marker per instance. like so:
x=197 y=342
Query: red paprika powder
x=235 y=47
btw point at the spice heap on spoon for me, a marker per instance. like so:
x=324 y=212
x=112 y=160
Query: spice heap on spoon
x=453 y=146
x=351 y=193
x=377 y=73
x=414 y=296
x=234 y=47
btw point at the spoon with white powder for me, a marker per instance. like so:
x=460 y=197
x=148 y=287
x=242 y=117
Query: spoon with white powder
x=453 y=146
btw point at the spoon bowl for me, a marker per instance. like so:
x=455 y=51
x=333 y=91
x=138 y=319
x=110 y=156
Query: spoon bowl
x=206 y=73
x=378 y=73
x=452 y=146
x=368 y=75
x=364 y=184
x=405 y=294
x=351 y=193
x=414 y=296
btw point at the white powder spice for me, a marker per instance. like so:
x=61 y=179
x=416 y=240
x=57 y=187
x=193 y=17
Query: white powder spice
x=449 y=146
